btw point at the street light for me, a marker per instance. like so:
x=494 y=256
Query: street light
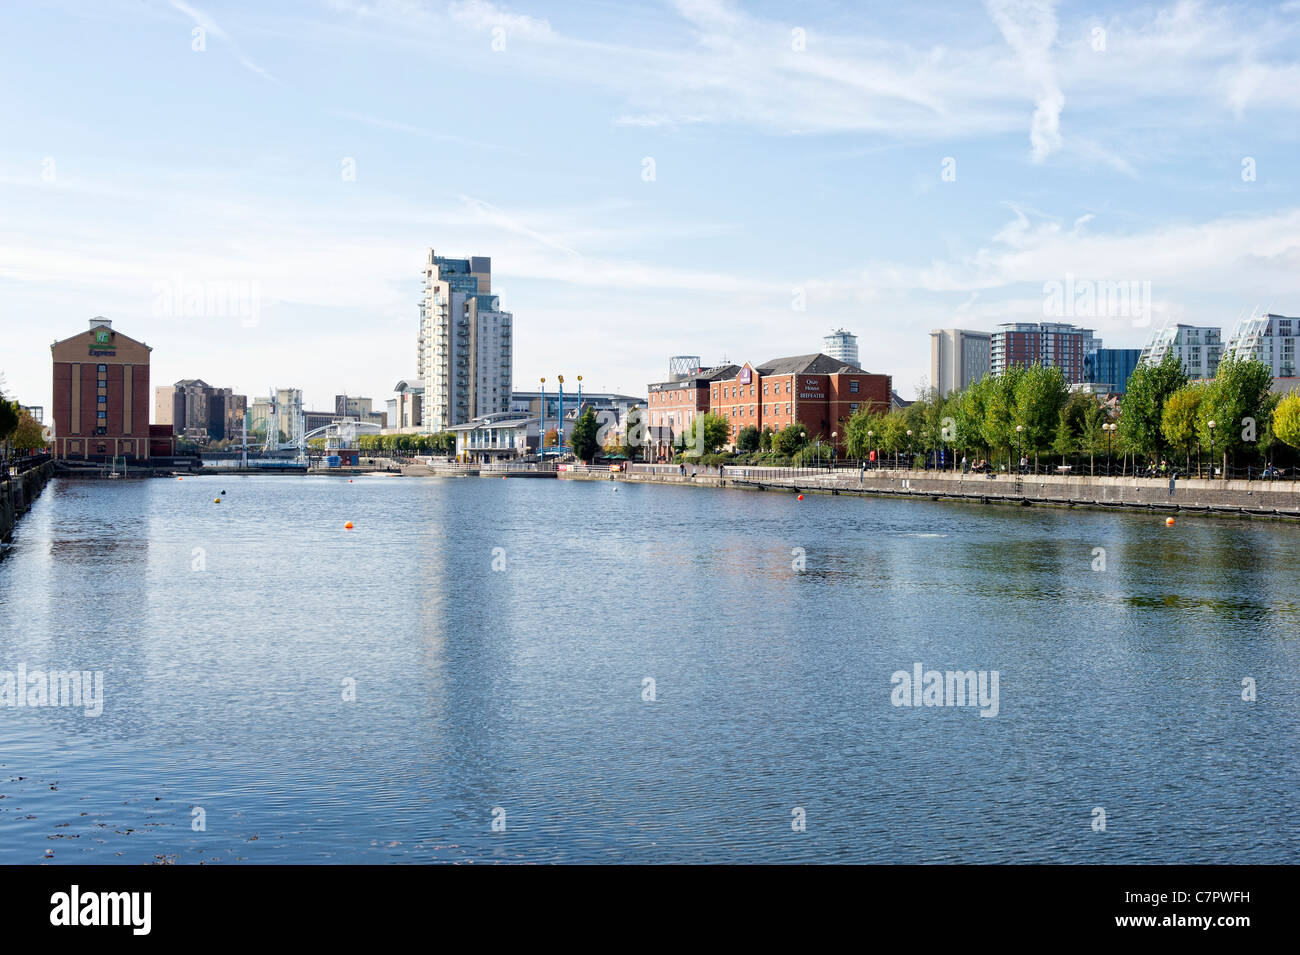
x=871 y=439
x=541 y=443
x=834 y=436
x=1109 y=428
x=909 y=449
x=1210 y=424
x=1019 y=429
x=925 y=448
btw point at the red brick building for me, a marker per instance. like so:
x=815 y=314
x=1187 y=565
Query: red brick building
x=817 y=391
x=101 y=395
x=673 y=405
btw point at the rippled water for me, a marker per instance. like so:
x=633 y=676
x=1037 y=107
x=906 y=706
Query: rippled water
x=522 y=689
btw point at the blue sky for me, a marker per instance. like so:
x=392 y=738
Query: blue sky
x=798 y=154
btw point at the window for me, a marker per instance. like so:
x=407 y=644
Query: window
x=853 y=388
x=787 y=387
x=101 y=414
x=102 y=369
x=101 y=399
x=853 y=408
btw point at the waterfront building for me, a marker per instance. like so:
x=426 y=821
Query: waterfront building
x=958 y=358
x=1268 y=338
x=36 y=411
x=1107 y=370
x=675 y=403
x=1198 y=347
x=101 y=394
x=817 y=391
x=406 y=410
x=611 y=408
x=359 y=409
x=465 y=358
x=494 y=437
x=197 y=411
x=842 y=346
x=1053 y=344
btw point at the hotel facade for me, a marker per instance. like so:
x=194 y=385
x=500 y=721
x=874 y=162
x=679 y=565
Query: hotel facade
x=817 y=391
x=101 y=394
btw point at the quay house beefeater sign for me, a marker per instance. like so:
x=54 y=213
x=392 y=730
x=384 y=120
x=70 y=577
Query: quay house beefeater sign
x=814 y=388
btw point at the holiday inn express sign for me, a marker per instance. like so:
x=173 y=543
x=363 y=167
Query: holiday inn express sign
x=102 y=346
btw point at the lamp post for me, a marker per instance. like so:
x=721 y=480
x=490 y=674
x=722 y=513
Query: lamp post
x=834 y=437
x=909 y=448
x=559 y=418
x=1019 y=430
x=1109 y=428
x=541 y=443
x=1210 y=425
x=871 y=435
x=925 y=448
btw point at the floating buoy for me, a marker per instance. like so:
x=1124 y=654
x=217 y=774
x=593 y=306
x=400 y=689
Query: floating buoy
x=801 y=497
x=180 y=479
x=349 y=480
x=347 y=526
x=1169 y=521
x=216 y=500
x=223 y=492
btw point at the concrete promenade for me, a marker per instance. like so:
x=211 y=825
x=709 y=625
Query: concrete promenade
x=1230 y=498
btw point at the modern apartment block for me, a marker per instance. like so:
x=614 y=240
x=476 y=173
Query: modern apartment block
x=1270 y=339
x=465 y=358
x=198 y=411
x=842 y=346
x=1108 y=369
x=958 y=357
x=1053 y=344
x=1198 y=347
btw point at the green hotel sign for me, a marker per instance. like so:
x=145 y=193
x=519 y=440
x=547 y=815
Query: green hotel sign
x=103 y=344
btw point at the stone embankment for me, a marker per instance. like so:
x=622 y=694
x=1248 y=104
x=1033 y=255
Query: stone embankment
x=17 y=494
x=1262 y=499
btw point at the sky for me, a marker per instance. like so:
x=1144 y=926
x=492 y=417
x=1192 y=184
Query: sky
x=251 y=188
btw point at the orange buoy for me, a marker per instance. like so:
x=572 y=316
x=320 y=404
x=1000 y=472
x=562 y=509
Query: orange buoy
x=347 y=526
x=180 y=479
x=1169 y=521
x=349 y=480
x=801 y=497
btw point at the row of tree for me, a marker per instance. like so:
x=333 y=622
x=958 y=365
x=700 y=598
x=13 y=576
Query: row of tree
x=1031 y=411
x=443 y=443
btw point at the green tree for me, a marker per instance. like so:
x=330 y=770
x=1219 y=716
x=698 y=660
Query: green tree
x=790 y=439
x=1178 y=423
x=1286 y=419
x=1039 y=396
x=857 y=442
x=705 y=434
x=1143 y=406
x=8 y=418
x=748 y=438
x=1237 y=401
x=583 y=439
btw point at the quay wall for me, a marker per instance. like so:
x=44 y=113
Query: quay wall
x=18 y=493
x=1267 y=499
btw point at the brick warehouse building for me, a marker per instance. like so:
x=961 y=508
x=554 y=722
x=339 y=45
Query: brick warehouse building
x=101 y=394
x=674 y=404
x=818 y=391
